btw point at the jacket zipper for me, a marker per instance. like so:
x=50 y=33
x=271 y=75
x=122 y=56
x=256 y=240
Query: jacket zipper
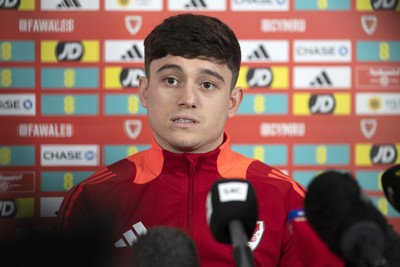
x=192 y=170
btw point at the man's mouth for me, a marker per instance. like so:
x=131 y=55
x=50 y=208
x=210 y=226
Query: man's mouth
x=184 y=121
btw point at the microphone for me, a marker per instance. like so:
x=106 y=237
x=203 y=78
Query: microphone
x=232 y=213
x=391 y=185
x=348 y=222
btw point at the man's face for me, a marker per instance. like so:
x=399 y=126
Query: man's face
x=188 y=102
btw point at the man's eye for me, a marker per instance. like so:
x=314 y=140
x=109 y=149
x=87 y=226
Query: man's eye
x=208 y=85
x=171 y=81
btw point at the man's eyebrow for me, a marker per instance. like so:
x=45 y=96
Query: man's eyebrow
x=170 y=66
x=213 y=73
x=202 y=71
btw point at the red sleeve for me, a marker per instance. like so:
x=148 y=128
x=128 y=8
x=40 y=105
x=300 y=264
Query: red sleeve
x=312 y=251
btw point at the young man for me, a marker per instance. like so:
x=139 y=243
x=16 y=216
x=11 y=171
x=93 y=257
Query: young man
x=192 y=64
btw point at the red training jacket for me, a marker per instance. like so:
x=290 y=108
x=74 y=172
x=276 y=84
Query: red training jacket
x=157 y=187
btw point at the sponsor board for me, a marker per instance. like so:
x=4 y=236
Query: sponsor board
x=259 y=6
x=264 y=51
x=70 y=5
x=17 y=208
x=49 y=206
x=378 y=77
x=193 y=5
x=378 y=103
x=69 y=155
x=321 y=77
x=17 y=182
x=322 y=51
x=124 y=51
x=134 y=5
x=17 y=104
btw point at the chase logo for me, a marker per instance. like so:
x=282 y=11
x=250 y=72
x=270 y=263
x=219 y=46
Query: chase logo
x=185 y=5
x=275 y=5
x=69 y=155
x=322 y=51
x=18 y=105
x=335 y=104
x=18 y=208
x=264 y=51
x=274 y=77
x=377 y=154
x=84 y=51
x=22 y=5
x=370 y=5
x=118 y=77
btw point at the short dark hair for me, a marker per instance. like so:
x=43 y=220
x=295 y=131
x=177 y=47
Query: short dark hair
x=194 y=36
x=164 y=246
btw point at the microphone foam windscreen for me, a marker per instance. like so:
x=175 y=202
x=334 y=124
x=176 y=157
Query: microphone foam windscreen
x=391 y=186
x=334 y=203
x=229 y=200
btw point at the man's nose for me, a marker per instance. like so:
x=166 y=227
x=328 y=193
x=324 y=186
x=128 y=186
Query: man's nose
x=188 y=96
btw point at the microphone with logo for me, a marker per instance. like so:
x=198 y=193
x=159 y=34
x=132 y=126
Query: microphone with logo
x=232 y=213
x=344 y=218
x=391 y=185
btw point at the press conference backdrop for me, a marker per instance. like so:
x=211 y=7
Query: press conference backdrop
x=321 y=80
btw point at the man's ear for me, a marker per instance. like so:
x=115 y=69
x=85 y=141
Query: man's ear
x=235 y=100
x=143 y=87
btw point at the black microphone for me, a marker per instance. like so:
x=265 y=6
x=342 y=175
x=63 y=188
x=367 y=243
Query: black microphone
x=391 y=185
x=348 y=222
x=232 y=213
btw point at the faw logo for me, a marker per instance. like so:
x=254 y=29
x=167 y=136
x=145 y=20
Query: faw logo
x=133 y=24
x=132 y=128
x=368 y=127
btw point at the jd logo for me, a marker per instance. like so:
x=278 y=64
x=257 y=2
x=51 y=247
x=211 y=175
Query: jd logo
x=130 y=77
x=69 y=51
x=9 y=4
x=383 y=154
x=259 y=77
x=8 y=208
x=384 y=4
x=322 y=104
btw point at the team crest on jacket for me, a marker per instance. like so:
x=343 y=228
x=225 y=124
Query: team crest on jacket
x=257 y=235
